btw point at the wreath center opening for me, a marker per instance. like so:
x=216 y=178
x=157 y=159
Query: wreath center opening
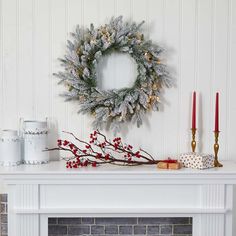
x=116 y=71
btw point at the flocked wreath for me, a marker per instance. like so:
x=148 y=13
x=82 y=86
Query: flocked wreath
x=111 y=108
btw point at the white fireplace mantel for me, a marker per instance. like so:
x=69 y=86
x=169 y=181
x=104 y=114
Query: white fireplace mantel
x=39 y=192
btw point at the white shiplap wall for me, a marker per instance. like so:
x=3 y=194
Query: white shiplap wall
x=200 y=37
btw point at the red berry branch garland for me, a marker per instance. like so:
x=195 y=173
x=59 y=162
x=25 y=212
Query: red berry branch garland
x=99 y=150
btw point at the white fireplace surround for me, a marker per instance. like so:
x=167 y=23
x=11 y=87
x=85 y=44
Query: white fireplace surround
x=36 y=193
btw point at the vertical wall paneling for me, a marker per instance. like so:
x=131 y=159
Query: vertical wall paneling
x=90 y=8
x=33 y=90
x=179 y=104
x=25 y=65
x=58 y=36
x=220 y=82
x=10 y=108
x=1 y=67
x=41 y=59
x=228 y=78
x=156 y=25
x=171 y=96
x=17 y=56
x=123 y=7
x=196 y=73
x=232 y=83
x=187 y=66
x=50 y=56
x=205 y=72
x=66 y=35
x=106 y=10
x=196 y=43
x=75 y=16
x=200 y=41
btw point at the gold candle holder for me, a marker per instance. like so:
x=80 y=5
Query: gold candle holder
x=193 y=143
x=216 y=149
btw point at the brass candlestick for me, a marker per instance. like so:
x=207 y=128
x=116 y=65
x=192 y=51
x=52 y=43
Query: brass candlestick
x=216 y=149
x=193 y=143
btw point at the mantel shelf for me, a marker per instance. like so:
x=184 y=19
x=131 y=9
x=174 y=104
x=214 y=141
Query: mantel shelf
x=58 y=167
x=56 y=173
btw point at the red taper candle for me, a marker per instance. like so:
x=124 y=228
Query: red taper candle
x=217 y=113
x=194 y=111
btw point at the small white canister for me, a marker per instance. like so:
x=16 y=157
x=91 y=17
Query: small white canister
x=35 y=135
x=10 y=148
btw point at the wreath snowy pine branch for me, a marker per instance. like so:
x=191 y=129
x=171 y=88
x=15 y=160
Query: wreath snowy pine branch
x=111 y=108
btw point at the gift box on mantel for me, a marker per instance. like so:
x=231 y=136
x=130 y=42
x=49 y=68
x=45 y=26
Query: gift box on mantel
x=169 y=164
x=196 y=160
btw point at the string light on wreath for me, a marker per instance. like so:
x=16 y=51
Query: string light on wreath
x=114 y=107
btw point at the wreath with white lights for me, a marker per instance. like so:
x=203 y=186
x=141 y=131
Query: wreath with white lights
x=111 y=108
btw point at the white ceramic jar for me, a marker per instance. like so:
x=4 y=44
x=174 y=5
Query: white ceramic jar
x=35 y=136
x=10 y=148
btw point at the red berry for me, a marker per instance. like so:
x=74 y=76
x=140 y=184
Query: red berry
x=94 y=164
x=98 y=155
x=137 y=154
x=65 y=142
x=59 y=142
x=75 y=151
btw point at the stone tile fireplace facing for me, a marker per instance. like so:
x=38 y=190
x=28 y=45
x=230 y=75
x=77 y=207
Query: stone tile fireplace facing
x=3 y=215
x=124 y=226
x=40 y=198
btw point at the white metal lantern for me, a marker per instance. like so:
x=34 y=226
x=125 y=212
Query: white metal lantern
x=35 y=135
x=10 y=148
